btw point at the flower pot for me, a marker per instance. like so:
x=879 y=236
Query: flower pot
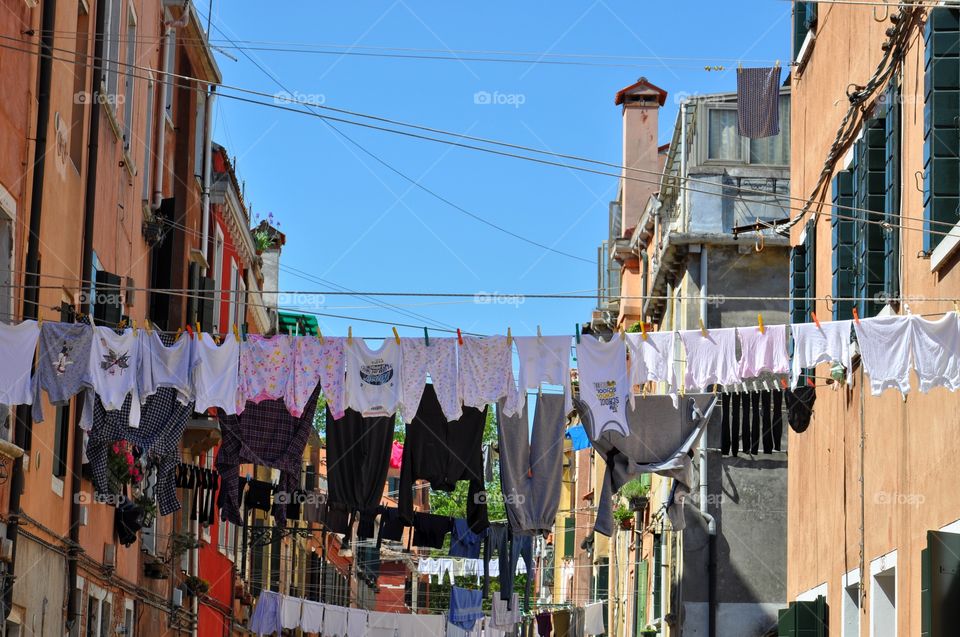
x=639 y=502
x=626 y=523
x=648 y=633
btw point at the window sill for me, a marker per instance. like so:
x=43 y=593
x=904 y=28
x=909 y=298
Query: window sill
x=56 y=485
x=806 y=49
x=128 y=164
x=946 y=249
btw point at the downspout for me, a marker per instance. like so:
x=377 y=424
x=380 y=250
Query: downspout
x=31 y=293
x=682 y=186
x=165 y=80
x=207 y=160
x=704 y=472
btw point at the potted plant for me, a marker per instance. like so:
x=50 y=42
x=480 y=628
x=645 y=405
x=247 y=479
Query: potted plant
x=122 y=466
x=636 y=493
x=194 y=586
x=154 y=569
x=624 y=517
x=265 y=234
x=180 y=543
x=649 y=631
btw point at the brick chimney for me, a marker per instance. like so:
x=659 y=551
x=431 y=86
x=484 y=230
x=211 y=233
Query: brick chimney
x=641 y=104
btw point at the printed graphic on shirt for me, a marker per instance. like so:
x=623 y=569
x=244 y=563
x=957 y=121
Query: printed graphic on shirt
x=377 y=372
x=62 y=360
x=115 y=362
x=607 y=394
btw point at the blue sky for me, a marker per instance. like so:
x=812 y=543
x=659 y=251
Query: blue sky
x=352 y=222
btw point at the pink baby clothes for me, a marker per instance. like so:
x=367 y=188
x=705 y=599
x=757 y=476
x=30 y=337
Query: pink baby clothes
x=315 y=362
x=396 y=454
x=439 y=359
x=936 y=352
x=711 y=358
x=886 y=347
x=763 y=351
x=266 y=365
x=486 y=370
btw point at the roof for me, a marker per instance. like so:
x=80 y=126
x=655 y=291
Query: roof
x=298 y=324
x=639 y=86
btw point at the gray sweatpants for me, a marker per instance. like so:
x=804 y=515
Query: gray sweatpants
x=531 y=460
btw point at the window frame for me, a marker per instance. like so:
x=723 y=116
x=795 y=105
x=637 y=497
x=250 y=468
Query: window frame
x=743 y=159
x=130 y=80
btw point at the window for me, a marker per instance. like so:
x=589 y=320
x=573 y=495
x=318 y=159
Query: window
x=79 y=86
x=883 y=597
x=217 y=275
x=241 y=301
x=199 y=132
x=804 y=21
x=844 y=253
x=129 y=79
x=640 y=603
x=111 y=49
x=850 y=605
x=569 y=535
x=939 y=563
x=129 y=618
x=803 y=275
x=61 y=437
x=724 y=141
x=99 y=612
x=941 y=145
x=234 y=276
x=657 y=573
x=603 y=586
x=725 y=144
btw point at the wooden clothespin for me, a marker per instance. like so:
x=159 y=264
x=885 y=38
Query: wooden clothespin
x=350 y=335
x=783 y=382
x=396 y=336
x=810 y=382
x=148 y=326
x=122 y=324
x=459 y=337
x=703 y=329
x=179 y=332
x=539 y=335
x=623 y=333
x=320 y=335
x=509 y=338
x=643 y=330
x=190 y=331
x=760 y=323
x=134 y=327
x=956 y=308
x=856 y=316
x=426 y=336
x=199 y=332
x=236 y=332
x=40 y=321
x=813 y=315
x=577 y=333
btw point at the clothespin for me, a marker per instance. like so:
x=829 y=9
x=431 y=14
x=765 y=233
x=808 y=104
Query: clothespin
x=190 y=331
x=396 y=336
x=760 y=323
x=777 y=65
x=459 y=337
x=810 y=382
x=134 y=327
x=783 y=383
x=243 y=332
x=956 y=308
x=623 y=333
x=813 y=315
x=350 y=335
x=179 y=332
x=703 y=329
x=577 y=333
x=320 y=335
x=426 y=336
x=148 y=326
x=123 y=324
x=509 y=338
x=643 y=330
x=539 y=335
x=856 y=316
x=40 y=321
x=199 y=331
x=236 y=332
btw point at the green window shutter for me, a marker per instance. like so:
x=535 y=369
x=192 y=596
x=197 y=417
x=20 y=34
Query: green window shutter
x=869 y=174
x=569 y=535
x=844 y=257
x=645 y=479
x=107 y=308
x=941 y=145
x=657 y=566
x=798 y=283
x=603 y=587
x=804 y=619
x=940 y=584
x=642 y=588
x=891 y=234
x=804 y=19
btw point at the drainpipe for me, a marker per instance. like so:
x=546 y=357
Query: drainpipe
x=165 y=80
x=31 y=294
x=704 y=472
x=683 y=165
x=207 y=159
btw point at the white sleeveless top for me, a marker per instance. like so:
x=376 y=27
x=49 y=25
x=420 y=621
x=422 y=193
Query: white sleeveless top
x=373 y=377
x=604 y=385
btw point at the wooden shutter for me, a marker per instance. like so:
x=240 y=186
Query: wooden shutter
x=208 y=303
x=569 y=535
x=869 y=173
x=107 y=308
x=941 y=155
x=642 y=588
x=804 y=619
x=891 y=234
x=940 y=585
x=843 y=230
x=804 y=19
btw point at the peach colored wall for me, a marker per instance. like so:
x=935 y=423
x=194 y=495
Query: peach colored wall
x=639 y=151
x=910 y=447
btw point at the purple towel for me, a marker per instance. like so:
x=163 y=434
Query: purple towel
x=758 y=102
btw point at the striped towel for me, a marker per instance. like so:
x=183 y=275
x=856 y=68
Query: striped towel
x=758 y=102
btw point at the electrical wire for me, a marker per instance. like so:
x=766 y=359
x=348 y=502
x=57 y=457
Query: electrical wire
x=684 y=185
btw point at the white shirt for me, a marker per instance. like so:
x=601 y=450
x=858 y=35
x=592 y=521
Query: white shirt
x=651 y=360
x=373 y=377
x=162 y=366
x=215 y=373
x=936 y=352
x=710 y=359
x=604 y=385
x=828 y=343
x=886 y=348
x=114 y=363
x=543 y=359
x=18 y=344
x=763 y=352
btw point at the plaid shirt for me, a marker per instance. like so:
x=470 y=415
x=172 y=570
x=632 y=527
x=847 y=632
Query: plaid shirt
x=264 y=434
x=162 y=421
